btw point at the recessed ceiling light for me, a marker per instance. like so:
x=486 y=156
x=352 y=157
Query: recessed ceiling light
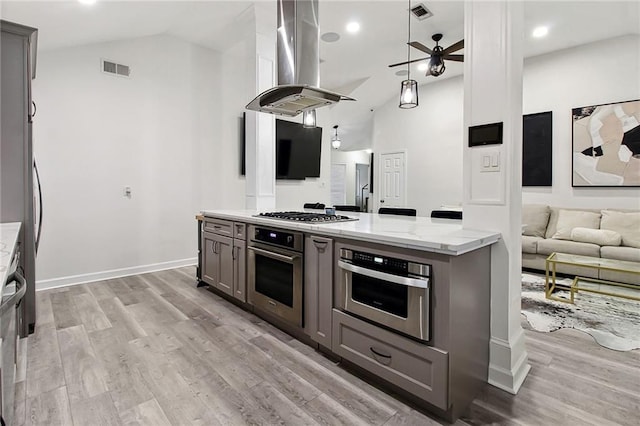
x=423 y=66
x=401 y=73
x=87 y=1
x=353 y=27
x=330 y=37
x=540 y=31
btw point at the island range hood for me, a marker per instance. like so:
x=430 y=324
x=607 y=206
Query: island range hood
x=298 y=64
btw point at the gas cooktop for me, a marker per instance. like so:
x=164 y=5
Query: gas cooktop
x=307 y=217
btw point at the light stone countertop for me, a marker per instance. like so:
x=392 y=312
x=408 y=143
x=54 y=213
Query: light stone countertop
x=417 y=233
x=8 y=237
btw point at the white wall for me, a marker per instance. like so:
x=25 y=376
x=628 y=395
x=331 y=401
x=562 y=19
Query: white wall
x=96 y=133
x=598 y=73
x=350 y=158
x=432 y=133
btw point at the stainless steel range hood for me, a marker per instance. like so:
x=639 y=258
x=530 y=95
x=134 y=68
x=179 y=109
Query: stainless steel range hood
x=298 y=64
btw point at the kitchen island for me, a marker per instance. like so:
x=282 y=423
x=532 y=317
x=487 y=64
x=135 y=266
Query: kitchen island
x=404 y=301
x=413 y=232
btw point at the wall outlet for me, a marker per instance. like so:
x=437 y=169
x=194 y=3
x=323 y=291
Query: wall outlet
x=127 y=191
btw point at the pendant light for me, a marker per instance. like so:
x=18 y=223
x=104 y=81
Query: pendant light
x=309 y=118
x=335 y=140
x=409 y=88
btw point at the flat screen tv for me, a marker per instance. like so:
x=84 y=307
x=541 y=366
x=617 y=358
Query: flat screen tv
x=297 y=150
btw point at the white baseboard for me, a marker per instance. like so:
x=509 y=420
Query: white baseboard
x=509 y=364
x=114 y=273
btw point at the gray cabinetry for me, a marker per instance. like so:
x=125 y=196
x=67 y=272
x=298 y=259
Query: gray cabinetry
x=239 y=269
x=224 y=257
x=318 y=283
x=419 y=369
x=449 y=369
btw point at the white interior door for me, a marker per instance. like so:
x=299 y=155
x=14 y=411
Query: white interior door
x=338 y=184
x=392 y=179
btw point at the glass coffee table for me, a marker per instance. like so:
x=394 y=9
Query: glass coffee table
x=592 y=285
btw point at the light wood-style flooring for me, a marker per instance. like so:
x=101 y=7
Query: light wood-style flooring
x=155 y=350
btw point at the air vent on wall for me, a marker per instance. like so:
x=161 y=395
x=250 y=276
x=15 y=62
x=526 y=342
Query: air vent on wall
x=111 y=67
x=421 y=12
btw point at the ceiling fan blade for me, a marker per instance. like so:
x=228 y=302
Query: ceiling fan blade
x=421 y=47
x=456 y=58
x=455 y=46
x=407 y=62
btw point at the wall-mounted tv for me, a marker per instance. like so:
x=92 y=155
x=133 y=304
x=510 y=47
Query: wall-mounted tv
x=298 y=150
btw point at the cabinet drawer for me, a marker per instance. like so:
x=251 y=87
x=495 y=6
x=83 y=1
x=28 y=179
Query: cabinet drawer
x=217 y=226
x=419 y=369
x=239 y=230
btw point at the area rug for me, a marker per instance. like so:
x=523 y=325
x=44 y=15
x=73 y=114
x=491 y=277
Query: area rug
x=612 y=321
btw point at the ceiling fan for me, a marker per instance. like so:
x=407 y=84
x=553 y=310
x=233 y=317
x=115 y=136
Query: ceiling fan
x=438 y=55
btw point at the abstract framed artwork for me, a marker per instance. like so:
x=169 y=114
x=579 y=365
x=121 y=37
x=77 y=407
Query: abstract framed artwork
x=537 y=149
x=606 y=145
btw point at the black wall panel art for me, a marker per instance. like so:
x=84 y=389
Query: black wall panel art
x=606 y=145
x=537 y=149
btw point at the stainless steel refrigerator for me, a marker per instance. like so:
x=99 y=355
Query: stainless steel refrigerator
x=19 y=200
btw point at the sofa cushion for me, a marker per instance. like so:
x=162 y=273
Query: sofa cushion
x=553 y=218
x=548 y=246
x=631 y=254
x=530 y=244
x=535 y=218
x=569 y=219
x=601 y=237
x=626 y=224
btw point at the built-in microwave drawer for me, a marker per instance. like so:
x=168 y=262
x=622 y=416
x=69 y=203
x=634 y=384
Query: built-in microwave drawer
x=239 y=231
x=217 y=226
x=419 y=369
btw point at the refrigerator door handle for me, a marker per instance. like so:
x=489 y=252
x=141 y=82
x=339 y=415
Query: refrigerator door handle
x=35 y=168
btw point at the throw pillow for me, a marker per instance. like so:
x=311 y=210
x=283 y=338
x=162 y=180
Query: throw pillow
x=569 y=219
x=626 y=224
x=535 y=218
x=601 y=237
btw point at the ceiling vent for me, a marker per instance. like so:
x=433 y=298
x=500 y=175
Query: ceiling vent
x=113 y=68
x=421 y=12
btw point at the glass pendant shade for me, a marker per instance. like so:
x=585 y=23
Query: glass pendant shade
x=409 y=88
x=335 y=140
x=309 y=118
x=409 y=94
x=436 y=66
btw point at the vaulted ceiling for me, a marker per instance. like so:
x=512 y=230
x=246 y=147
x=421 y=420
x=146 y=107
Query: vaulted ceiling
x=356 y=63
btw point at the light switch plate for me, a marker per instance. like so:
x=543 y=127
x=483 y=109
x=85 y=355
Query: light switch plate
x=490 y=162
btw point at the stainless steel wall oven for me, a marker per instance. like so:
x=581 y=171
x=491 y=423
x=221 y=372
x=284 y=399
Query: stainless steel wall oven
x=274 y=272
x=392 y=292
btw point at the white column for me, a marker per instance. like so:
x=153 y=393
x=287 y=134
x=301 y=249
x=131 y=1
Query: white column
x=493 y=200
x=260 y=127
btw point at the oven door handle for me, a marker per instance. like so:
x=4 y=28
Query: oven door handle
x=277 y=256
x=411 y=282
x=15 y=298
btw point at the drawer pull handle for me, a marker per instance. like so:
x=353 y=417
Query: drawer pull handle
x=377 y=352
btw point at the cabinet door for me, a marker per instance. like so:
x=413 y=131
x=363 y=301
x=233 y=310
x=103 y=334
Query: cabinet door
x=225 y=254
x=210 y=259
x=239 y=270
x=318 y=288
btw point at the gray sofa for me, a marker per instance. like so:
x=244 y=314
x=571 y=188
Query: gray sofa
x=608 y=233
